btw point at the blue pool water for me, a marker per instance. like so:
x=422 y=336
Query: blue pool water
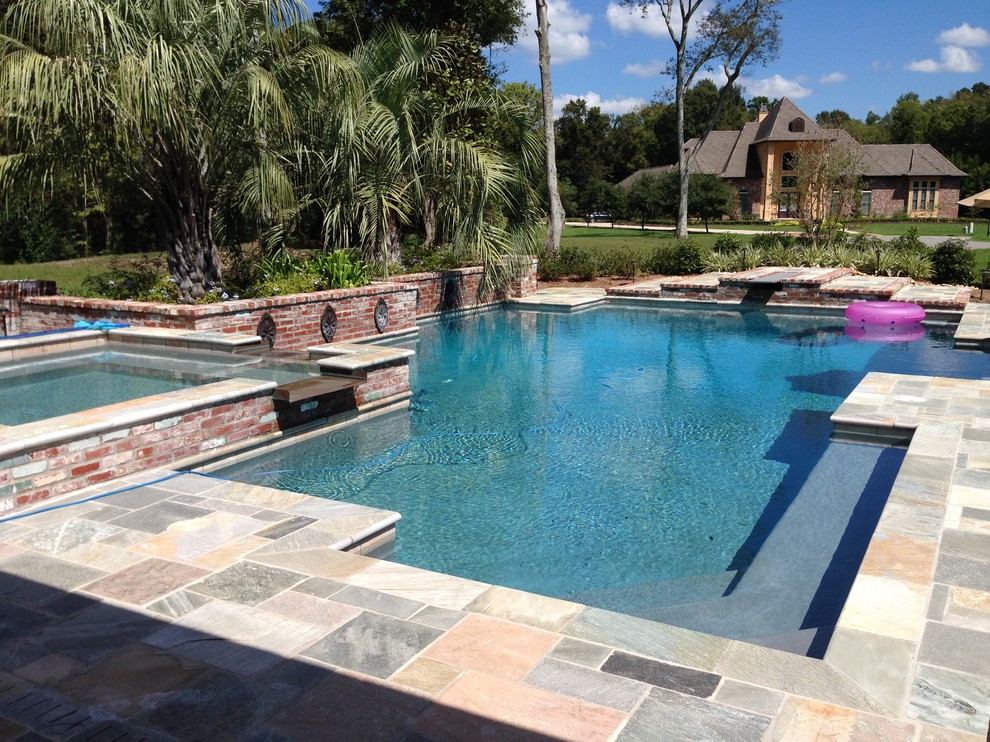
x=48 y=386
x=670 y=464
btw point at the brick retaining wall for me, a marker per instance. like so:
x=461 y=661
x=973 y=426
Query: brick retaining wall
x=38 y=473
x=297 y=317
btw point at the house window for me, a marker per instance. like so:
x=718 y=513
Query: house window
x=836 y=205
x=787 y=203
x=866 y=203
x=797 y=125
x=744 y=209
x=787 y=207
x=924 y=195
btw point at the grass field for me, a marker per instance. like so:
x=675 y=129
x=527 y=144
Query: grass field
x=933 y=229
x=69 y=275
x=597 y=239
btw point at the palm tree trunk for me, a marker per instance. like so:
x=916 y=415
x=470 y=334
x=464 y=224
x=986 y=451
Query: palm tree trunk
x=393 y=243
x=429 y=221
x=556 y=217
x=185 y=229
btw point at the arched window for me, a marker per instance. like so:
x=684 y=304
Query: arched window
x=797 y=125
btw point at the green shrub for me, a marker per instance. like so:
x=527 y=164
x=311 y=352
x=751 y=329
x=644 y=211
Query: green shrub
x=728 y=243
x=548 y=268
x=721 y=262
x=914 y=263
x=132 y=281
x=953 y=263
x=907 y=241
x=577 y=263
x=766 y=241
x=616 y=263
x=416 y=258
x=683 y=258
x=339 y=269
x=780 y=255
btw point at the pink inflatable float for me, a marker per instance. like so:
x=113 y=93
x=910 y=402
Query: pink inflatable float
x=885 y=313
x=884 y=333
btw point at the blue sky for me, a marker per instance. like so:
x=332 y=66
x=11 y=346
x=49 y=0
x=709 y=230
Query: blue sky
x=857 y=55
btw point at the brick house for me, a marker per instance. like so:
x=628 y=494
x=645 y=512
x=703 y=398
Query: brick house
x=897 y=178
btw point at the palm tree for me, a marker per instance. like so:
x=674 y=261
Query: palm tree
x=198 y=101
x=404 y=152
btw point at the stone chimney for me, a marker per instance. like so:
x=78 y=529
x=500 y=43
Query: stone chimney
x=764 y=112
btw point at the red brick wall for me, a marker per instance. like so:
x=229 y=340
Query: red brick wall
x=948 y=198
x=890 y=195
x=55 y=470
x=383 y=382
x=430 y=288
x=297 y=317
x=468 y=287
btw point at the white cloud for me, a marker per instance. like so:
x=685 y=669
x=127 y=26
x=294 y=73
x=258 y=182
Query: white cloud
x=653 y=68
x=716 y=75
x=568 y=33
x=613 y=106
x=633 y=20
x=775 y=87
x=954 y=59
x=964 y=35
x=832 y=77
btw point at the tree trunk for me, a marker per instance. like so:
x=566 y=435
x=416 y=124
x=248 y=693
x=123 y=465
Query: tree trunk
x=682 y=157
x=429 y=222
x=555 y=224
x=393 y=241
x=185 y=228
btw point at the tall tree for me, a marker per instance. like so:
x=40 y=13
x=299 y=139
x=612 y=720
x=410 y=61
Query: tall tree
x=198 y=98
x=824 y=188
x=346 y=23
x=908 y=120
x=582 y=138
x=375 y=166
x=555 y=219
x=734 y=34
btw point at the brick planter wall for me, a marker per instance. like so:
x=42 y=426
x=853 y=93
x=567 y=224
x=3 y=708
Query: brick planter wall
x=12 y=293
x=297 y=318
x=460 y=288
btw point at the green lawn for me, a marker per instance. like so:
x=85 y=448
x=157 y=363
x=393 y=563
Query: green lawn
x=933 y=229
x=69 y=275
x=642 y=242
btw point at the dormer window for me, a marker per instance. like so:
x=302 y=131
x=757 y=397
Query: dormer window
x=796 y=126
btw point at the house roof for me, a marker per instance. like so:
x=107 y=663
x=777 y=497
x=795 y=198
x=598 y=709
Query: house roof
x=731 y=154
x=788 y=123
x=911 y=160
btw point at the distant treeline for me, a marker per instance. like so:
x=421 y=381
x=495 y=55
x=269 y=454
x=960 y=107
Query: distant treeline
x=596 y=150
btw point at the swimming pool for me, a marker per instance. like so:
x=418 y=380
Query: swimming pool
x=674 y=465
x=63 y=383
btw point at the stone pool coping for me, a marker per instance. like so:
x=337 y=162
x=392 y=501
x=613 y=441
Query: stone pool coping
x=486 y=655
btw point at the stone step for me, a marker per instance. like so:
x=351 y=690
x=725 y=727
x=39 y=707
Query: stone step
x=316 y=386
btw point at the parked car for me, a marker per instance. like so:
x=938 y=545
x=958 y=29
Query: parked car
x=599 y=216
